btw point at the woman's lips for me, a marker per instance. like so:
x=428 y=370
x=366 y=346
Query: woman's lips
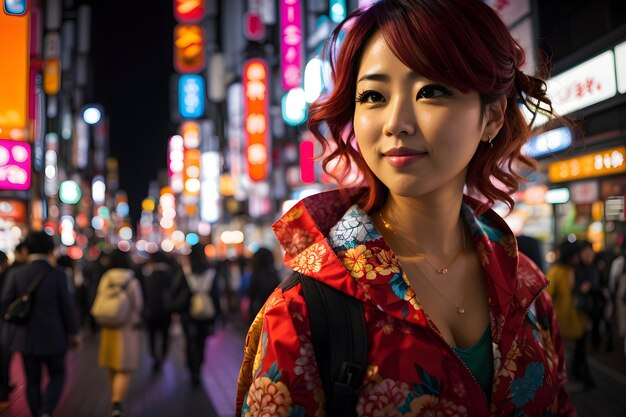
x=402 y=160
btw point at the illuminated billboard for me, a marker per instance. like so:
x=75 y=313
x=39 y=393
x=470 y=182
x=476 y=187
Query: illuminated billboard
x=191 y=96
x=14 y=71
x=256 y=124
x=189 y=11
x=291 y=43
x=189 y=49
x=14 y=165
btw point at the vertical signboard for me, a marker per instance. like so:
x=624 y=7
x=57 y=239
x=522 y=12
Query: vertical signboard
x=14 y=165
x=256 y=124
x=291 y=43
x=191 y=96
x=189 y=49
x=14 y=71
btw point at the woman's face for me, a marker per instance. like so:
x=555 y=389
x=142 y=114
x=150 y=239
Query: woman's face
x=417 y=135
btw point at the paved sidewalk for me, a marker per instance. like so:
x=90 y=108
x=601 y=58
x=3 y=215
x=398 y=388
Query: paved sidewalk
x=167 y=394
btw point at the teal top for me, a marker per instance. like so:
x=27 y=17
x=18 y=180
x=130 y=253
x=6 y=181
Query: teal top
x=479 y=360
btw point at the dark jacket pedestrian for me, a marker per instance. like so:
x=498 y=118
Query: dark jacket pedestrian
x=263 y=280
x=156 y=285
x=51 y=328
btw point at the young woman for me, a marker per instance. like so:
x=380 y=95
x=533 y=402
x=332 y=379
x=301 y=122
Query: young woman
x=424 y=103
x=120 y=347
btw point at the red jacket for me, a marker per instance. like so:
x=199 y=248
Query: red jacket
x=412 y=371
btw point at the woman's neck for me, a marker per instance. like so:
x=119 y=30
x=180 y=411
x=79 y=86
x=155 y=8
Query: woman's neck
x=429 y=225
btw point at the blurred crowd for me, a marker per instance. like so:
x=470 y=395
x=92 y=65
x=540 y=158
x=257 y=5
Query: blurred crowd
x=194 y=290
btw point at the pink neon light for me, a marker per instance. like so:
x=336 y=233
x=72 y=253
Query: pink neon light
x=291 y=43
x=14 y=165
x=307 y=163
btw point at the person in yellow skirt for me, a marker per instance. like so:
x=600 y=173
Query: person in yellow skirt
x=120 y=347
x=572 y=321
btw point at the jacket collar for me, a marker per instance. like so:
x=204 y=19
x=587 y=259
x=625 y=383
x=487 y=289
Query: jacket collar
x=328 y=238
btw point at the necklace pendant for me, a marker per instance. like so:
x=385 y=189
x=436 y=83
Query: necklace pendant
x=461 y=310
x=442 y=271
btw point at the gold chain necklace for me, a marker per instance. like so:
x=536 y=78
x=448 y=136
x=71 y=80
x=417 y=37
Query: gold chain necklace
x=443 y=270
x=459 y=308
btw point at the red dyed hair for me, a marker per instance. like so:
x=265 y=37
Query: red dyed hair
x=462 y=43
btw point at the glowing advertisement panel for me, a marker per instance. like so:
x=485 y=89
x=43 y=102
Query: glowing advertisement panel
x=291 y=43
x=191 y=96
x=589 y=83
x=189 y=49
x=14 y=72
x=607 y=162
x=189 y=11
x=256 y=121
x=14 y=165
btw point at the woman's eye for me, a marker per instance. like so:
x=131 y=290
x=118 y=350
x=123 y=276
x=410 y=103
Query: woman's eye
x=433 y=91
x=369 y=97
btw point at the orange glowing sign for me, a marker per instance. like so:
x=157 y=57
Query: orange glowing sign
x=191 y=172
x=14 y=56
x=189 y=11
x=607 y=162
x=256 y=98
x=188 y=49
x=52 y=76
x=190 y=131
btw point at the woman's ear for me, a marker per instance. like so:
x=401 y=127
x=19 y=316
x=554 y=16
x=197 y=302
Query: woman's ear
x=494 y=118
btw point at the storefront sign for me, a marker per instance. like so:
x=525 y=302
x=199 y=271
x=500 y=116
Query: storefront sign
x=584 y=192
x=13 y=210
x=607 y=162
x=291 y=43
x=591 y=82
x=548 y=143
x=14 y=165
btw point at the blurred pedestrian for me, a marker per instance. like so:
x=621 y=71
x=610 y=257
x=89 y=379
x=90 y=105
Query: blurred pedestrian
x=5 y=355
x=588 y=294
x=572 y=321
x=531 y=247
x=156 y=285
x=92 y=274
x=200 y=276
x=43 y=339
x=263 y=280
x=20 y=257
x=120 y=347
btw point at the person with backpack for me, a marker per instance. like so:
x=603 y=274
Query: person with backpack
x=50 y=328
x=198 y=318
x=424 y=104
x=156 y=285
x=263 y=279
x=117 y=309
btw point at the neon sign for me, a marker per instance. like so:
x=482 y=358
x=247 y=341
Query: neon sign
x=291 y=43
x=255 y=116
x=14 y=165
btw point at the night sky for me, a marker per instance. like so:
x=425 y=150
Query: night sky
x=132 y=62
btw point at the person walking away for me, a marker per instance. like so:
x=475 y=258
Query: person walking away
x=263 y=280
x=588 y=295
x=51 y=328
x=200 y=277
x=156 y=285
x=120 y=347
x=572 y=321
x=5 y=355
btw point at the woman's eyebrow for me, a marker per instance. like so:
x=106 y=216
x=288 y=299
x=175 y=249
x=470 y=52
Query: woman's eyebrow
x=413 y=76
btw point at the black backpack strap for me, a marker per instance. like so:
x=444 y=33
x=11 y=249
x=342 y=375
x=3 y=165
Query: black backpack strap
x=340 y=343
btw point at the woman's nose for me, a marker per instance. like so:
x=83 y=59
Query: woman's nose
x=401 y=119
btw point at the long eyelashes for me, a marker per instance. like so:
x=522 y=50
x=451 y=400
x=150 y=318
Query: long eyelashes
x=426 y=92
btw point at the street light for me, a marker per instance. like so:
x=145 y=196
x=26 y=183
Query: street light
x=92 y=114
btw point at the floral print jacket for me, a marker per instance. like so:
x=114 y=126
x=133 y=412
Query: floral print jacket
x=411 y=371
